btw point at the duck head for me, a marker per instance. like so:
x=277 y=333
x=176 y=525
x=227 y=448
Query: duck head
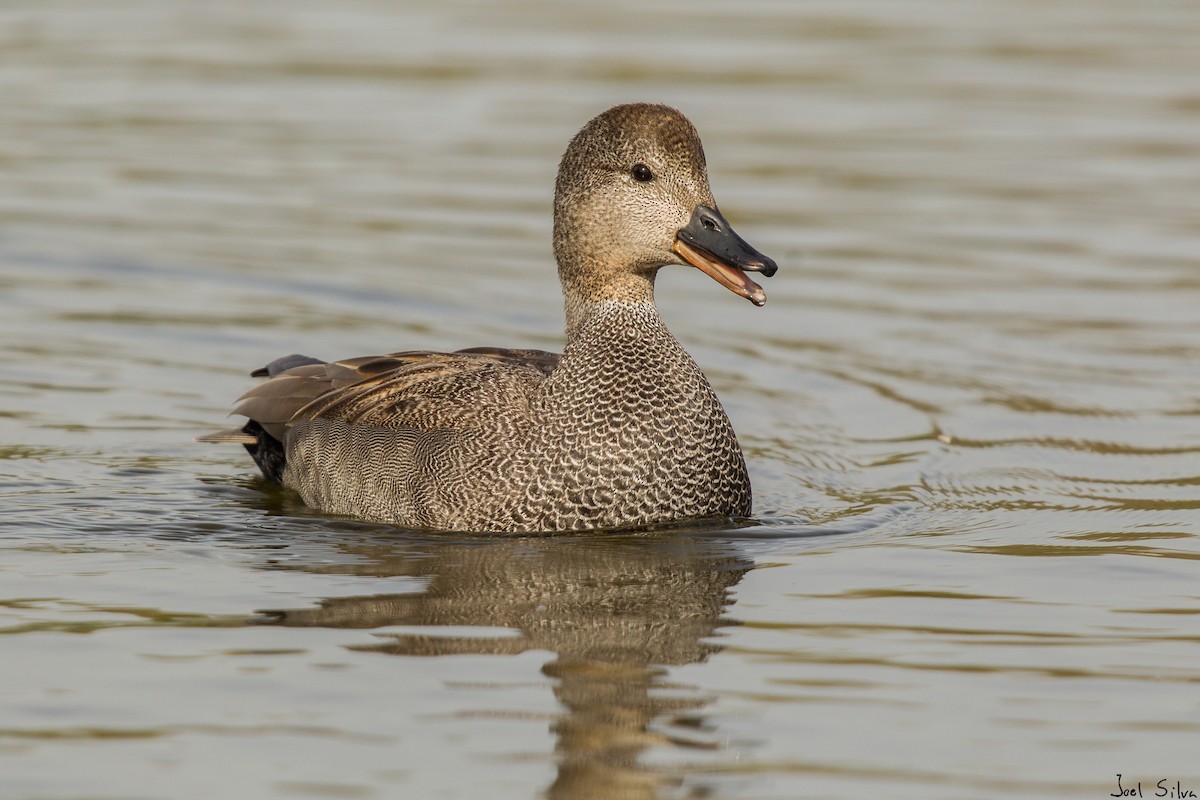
x=632 y=196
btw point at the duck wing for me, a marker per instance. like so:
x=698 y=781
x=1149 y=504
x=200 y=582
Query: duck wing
x=414 y=390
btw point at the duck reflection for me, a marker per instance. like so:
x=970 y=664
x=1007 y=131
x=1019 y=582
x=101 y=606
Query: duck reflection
x=614 y=610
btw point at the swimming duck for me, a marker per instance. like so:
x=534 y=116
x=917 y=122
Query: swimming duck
x=621 y=430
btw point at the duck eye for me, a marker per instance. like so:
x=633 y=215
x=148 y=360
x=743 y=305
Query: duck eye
x=642 y=173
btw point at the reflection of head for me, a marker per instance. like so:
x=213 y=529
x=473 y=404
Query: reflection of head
x=610 y=609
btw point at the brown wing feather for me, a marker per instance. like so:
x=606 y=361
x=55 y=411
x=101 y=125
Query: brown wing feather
x=418 y=389
x=274 y=402
x=540 y=360
x=436 y=391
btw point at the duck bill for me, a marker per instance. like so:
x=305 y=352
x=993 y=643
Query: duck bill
x=709 y=244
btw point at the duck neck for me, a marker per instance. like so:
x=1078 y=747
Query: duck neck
x=585 y=299
x=605 y=333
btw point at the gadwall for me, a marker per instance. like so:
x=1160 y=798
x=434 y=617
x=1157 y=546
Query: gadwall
x=620 y=431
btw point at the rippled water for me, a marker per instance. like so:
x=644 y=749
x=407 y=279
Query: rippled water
x=971 y=406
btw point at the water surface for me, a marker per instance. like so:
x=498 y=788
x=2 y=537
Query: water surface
x=971 y=406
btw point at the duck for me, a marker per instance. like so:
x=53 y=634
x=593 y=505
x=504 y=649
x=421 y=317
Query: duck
x=620 y=431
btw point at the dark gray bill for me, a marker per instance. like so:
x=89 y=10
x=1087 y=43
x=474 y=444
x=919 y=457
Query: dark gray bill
x=709 y=243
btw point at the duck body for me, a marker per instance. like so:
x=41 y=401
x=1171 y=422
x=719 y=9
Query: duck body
x=622 y=430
